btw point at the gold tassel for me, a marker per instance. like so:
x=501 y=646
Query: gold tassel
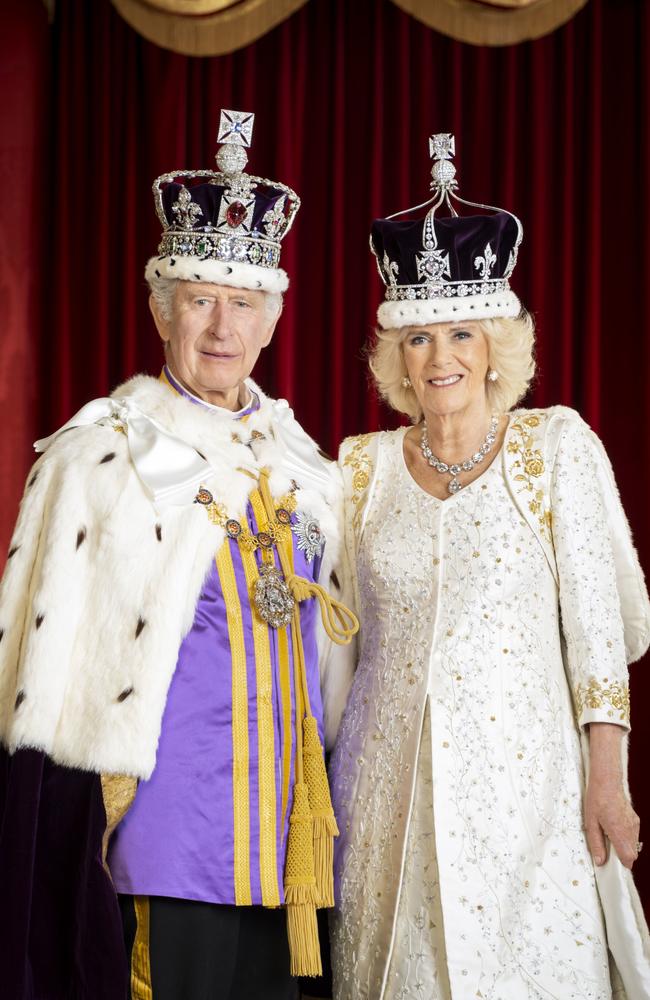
x=300 y=889
x=320 y=804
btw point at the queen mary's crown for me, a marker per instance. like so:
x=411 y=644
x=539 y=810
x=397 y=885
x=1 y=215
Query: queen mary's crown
x=441 y=267
x=224 y=226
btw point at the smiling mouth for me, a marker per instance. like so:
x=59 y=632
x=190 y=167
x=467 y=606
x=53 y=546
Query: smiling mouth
x=440 y=383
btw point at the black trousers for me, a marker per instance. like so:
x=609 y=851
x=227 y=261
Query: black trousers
x=179 y=949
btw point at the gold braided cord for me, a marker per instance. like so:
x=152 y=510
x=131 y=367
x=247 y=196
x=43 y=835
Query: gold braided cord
x=492 y=23
x=207 y=34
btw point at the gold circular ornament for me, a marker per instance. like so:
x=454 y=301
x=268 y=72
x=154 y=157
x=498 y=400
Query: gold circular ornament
x=204 y=497
x=360 y=480
x=265 y=539
x=283 y=516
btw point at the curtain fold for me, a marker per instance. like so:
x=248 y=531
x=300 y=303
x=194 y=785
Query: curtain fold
x=345 y=97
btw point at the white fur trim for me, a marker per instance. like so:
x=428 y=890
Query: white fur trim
x=419 y=312
x=236 y=274
x=100 y=589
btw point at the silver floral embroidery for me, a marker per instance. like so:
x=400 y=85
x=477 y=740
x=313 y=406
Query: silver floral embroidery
x=458 y=605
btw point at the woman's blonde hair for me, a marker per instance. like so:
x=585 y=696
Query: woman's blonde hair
x=510 y=353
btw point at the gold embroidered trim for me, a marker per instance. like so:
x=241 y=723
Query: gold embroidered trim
x=611 y=695
x=361 y=465
x=265 y=729
x=141 y=988
x=530 y=463
x=118 y=793
x=240 y=752
x=284 y=661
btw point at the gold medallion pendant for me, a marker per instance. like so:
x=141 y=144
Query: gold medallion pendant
x=273 y=599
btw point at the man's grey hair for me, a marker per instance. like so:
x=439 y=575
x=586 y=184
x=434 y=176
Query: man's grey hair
x=164 y=289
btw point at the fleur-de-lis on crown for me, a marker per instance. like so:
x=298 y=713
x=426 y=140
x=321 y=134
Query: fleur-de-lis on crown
x=485 y=263
x=274 y=219
x=185 y=210
x=391 y=270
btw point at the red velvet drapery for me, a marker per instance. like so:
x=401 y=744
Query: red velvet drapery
x=345 y=95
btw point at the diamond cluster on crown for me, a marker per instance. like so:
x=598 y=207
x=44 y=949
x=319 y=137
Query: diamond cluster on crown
x=216 y=246
x=448 y=290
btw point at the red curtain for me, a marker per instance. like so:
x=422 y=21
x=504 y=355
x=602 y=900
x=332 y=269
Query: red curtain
x=346 y=95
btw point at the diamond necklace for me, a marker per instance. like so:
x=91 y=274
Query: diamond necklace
x=456 y=468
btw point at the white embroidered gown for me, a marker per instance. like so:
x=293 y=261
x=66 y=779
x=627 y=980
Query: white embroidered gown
x=457 y=775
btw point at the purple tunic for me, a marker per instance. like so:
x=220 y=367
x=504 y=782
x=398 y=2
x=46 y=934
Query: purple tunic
x=189 y=834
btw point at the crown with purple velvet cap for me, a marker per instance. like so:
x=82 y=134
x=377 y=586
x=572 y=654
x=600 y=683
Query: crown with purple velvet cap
x=441 y=270
x=223 y=226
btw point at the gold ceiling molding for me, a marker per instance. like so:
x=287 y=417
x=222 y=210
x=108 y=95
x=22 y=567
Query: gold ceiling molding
x=227 y=25
x=502 y=3
x=216 y=27
x=492 y=22
x=191 y=7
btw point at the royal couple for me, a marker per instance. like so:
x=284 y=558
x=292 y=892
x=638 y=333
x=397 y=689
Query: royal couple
x=197 y=604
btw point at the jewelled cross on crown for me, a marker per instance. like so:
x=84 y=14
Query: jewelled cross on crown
x=442 y=147
x=235 y=134
x=237 y=204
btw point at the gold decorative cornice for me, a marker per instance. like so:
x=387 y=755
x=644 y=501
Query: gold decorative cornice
x=216 y=27
x=492 y=22
x=205 y=27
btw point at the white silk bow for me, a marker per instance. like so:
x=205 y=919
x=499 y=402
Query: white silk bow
x=169 y=469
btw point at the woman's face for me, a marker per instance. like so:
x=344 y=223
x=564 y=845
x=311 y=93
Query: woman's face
x=447 y=364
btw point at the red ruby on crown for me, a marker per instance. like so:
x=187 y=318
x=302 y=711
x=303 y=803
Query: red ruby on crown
x=235 y=214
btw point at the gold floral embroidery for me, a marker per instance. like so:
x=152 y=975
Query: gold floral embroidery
x=614 y=695
x=118 y=793
x=530 y=463
x=359 y=460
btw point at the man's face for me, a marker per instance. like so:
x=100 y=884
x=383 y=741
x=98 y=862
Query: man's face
x=214 y=337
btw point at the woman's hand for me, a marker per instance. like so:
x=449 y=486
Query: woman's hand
x=608 y=812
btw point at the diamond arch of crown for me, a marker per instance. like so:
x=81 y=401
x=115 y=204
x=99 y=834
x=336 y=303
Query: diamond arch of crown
x=217 y=27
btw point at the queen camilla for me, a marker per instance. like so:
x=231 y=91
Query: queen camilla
x=478 y=776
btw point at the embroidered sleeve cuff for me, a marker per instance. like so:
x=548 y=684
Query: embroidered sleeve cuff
x=602 y=700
